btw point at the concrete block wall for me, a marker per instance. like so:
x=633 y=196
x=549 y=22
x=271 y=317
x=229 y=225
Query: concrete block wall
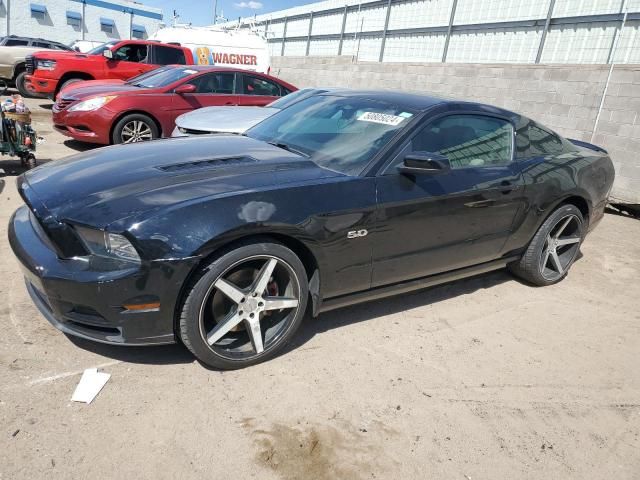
x=566 y=98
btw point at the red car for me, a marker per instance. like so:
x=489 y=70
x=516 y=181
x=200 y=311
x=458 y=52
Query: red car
x=145 y=107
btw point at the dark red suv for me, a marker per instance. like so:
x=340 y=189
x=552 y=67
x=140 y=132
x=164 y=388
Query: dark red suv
x=145 y=107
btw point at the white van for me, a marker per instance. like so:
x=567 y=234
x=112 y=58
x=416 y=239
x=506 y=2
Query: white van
x=216 y=46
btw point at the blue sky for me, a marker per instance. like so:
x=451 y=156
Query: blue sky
x=201 y=12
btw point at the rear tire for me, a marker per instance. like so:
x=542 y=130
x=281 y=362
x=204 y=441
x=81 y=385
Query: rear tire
x=134 y=128
x=31 y=161
x=553 y=249
x=244 y=306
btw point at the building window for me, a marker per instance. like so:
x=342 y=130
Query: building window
x=38 y=11
x=107 y=25
x=138 y=31
x=74 y=18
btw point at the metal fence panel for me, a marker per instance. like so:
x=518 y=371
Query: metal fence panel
x=584 y=43
x=629 y=47
x=322 y=47
x=475 y=11
x=510 y=45
x=414 y=48
x=572 y=8
x=326 y=24
x=420 y=13
x=509 y=31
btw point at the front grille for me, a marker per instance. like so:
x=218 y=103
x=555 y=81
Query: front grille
x=214 y=162
x=30 y=64
x=63 y=103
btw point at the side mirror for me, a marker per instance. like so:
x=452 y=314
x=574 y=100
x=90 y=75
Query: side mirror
x=185 y=88
x=424 y=163
x=108 y=54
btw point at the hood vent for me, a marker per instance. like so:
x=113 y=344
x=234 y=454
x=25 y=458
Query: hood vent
x=212 y=163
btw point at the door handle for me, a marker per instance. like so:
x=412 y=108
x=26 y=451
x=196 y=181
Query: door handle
x=229 y=103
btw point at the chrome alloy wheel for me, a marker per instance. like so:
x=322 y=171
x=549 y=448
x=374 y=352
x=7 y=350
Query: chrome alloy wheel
x=136 y=131
x=249 y=308
x=561 y=247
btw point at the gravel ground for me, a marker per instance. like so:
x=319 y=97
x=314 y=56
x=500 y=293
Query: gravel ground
x=485 y=378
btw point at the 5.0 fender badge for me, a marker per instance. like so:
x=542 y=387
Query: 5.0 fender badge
x=357 y=233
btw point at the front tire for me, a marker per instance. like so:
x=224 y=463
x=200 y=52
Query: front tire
x=244 y=306
x=66 y=83
x=21 y=86
x=135 y=128
x=553 y=249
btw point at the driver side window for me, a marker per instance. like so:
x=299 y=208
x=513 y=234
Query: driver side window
x=468 y=141
x=131 y=53
x=222 y=83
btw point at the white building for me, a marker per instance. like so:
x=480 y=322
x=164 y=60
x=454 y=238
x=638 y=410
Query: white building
x=69 y=20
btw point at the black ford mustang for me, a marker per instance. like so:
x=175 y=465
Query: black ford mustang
x=222 y=241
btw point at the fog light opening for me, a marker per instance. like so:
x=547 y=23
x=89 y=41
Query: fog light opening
x=141 y=307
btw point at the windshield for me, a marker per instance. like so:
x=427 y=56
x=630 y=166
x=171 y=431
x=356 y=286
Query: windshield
x=294 y=97
x=101 y=48
x=339 y=133
x=162 y=77
x=144 y=75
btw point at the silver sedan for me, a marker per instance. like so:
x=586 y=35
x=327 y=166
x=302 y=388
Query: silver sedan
x=234 y=119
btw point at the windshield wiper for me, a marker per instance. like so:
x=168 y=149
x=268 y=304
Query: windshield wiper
x=288 y=148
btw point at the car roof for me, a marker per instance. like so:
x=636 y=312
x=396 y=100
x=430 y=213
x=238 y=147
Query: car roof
x=410 y=101
x=419 y=102
x=31 y=39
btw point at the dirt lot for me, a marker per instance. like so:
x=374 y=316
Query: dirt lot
x=485 y=378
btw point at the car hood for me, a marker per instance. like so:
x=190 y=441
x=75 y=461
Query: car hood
x=84 y=91
x=91 y=87
x=224 y=119
x=58 y=55
x=104 y=185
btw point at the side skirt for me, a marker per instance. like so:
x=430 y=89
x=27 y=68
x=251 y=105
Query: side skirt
x=412 y=285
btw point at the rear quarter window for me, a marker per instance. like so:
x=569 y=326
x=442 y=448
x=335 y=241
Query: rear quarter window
x=16 y=43
x=169 y=56
x=533 y=140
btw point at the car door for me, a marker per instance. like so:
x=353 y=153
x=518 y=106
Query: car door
x=129 y=60
x=434 y=222
x=257 y=91
x=212 y=89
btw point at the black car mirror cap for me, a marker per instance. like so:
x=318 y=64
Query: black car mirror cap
x=424 y=163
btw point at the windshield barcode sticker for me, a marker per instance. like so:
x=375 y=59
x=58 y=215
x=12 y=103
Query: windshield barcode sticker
x=382 y=118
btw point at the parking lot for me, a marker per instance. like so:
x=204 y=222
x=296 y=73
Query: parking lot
x=483 y=378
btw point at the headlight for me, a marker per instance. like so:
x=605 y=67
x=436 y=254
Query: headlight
x=46 y=64
x=92 y=104
x=106 y=244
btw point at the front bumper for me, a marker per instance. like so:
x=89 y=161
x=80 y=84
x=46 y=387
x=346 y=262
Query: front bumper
x=42 y=85
x=90 y=127
x=88 y=303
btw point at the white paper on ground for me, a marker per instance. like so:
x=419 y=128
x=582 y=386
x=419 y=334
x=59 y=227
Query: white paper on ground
x=90 y=385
